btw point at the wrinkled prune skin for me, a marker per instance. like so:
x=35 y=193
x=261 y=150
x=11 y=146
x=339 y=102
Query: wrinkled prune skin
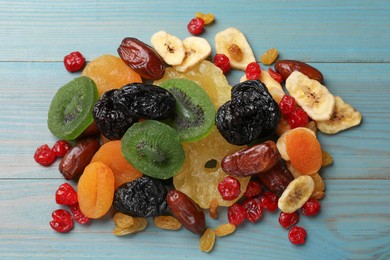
x=143 y=197
x=112 y=119
x=148 y=101
x=251 y=113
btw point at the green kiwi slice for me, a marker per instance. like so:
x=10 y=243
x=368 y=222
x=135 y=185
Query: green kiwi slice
x=153 y=148
x=195 y=112
x=70 y=111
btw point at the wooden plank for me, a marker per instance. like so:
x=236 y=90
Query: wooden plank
x=354 y=223
x=362 y=152
x=329 y=31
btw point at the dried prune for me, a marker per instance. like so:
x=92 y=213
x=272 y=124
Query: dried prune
x=111 y=117
x=142 y=197
x=148 y=101
x=252 y=113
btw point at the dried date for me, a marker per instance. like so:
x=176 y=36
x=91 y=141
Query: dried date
x=277 y=178
x=142 y=58
x=286 y=67
x=252 y=160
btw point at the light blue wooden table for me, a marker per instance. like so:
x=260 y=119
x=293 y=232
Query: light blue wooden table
x=349 y=41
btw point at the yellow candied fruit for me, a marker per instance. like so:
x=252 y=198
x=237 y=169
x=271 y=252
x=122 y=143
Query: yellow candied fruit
x=269 y=56
x=207 y=18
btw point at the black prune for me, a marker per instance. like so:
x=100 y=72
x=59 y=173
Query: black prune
x=112 y=119
x=252 y=113
x=143 y=197
x=148 y=101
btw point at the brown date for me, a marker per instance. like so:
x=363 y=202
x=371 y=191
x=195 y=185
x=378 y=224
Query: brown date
x=190 y=215
x=286 y=67
x=142 y=58
x=277 y=178
x=252 y=160
x=76 y=159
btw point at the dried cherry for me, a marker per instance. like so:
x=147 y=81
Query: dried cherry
x=253 y=209
x=66 y=195
x=236 y=214
x=229 y=188
x=269 y=201
x=297 y=235
x=142 y=197
x=288 y=220
x=62 y=221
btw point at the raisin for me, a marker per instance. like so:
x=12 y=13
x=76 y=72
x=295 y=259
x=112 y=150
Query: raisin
x=111 y=117
x=251 y=113
x=142 y=58
x=148 y=101
x=142 y=197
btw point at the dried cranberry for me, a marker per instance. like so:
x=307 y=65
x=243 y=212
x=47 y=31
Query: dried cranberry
x=253 y=71
x=229 y=188
x=252 y=189
x=311 y=207
x=287 y=104
x=62 y=221
x=78 y=216
x=66 y=195
x=298 y=118
x=44 y=155
x=253 y=209
x=269 y=201
x=222 y=61
x=288 y=220
x=276 y=76
x=236 y=214
x=74 y=61
x=195 y=26
x=61 y=147
x=297 y=235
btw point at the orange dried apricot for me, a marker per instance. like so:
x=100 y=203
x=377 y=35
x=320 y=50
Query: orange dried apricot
x=110 y=72
x=304 y=150
x=96 y=190
x=111 y=155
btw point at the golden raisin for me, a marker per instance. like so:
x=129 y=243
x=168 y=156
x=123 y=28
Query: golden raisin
x=167 y=222
x=139 y=224
x=123 y=220
x=207 y=18
x=213 y=210
x=207 y=240
x=326 y=158
x=319 y=187
x=224 y=229
x=235 y=52
x=269 y=56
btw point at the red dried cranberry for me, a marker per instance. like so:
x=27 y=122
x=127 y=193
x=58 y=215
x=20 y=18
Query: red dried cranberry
x=62 y=221
x=236 y=214
x=222 y=61
x=229 y=188
x=311 y=207
x=195 y=26
x=253 y=209
x=252 y=189
x=74 y=61
x=287 y=104
x=276 y=76
x=298 y=118
x=269 y=201
x=44 y=155
x=297 y=235
x=78 y=216
x=253 y=71
x=66 y=195
x=288 y=220
x=61 y=147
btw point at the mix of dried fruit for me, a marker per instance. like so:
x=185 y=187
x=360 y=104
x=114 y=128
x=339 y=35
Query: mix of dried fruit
x=190 y=142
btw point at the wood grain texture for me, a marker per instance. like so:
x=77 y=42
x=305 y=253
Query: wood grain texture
x=347 y=40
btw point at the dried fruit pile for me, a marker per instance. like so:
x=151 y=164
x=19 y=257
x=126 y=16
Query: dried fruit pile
x=190 y=143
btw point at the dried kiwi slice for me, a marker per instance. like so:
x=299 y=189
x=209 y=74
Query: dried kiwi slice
x=70 y=111
x=195 y=113
x=153 y=148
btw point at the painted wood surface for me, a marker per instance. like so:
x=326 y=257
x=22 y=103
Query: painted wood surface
x=349 y=41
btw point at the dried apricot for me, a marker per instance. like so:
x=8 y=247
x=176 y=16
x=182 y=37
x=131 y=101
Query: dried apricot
x=96 y=190
x=110 y=72
x=111 y=155
x=304 y=150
